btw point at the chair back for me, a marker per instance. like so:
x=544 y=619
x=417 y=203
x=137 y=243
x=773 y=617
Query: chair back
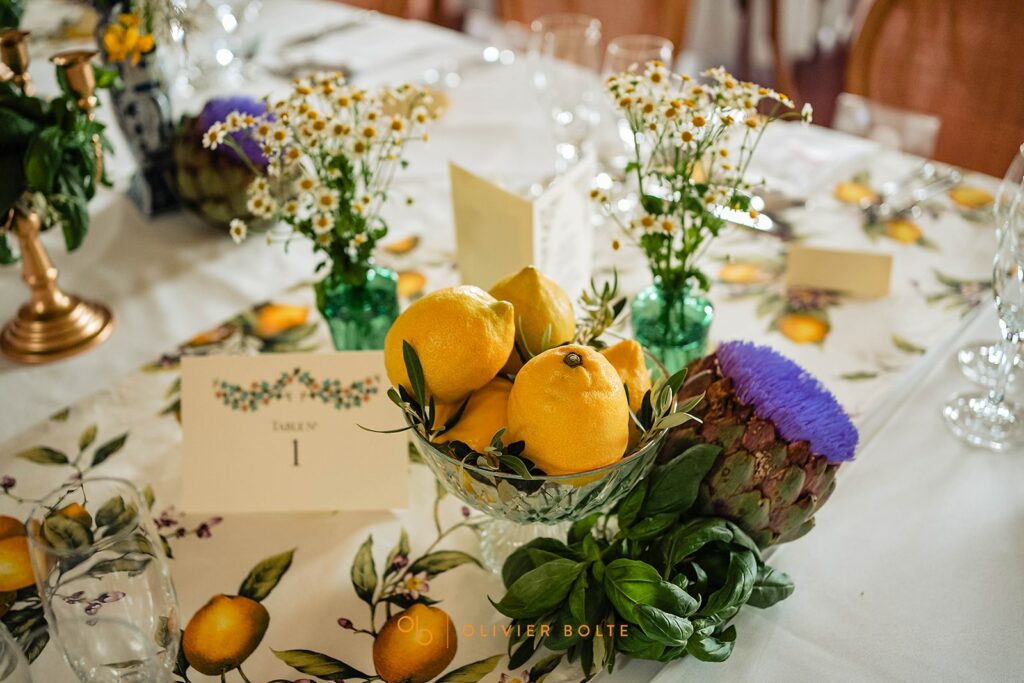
x=960 y=61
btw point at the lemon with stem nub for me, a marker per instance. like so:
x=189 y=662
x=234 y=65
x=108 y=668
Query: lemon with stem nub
x=485 y=413
x=544 y=314
x=415 y=645
x=569 y=405
x=627 y=357
x=462 y=335
x=223 y=633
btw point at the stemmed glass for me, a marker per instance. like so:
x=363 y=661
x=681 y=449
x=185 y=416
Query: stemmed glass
x=104 y=582
x=13 y=666
x=566 y=49
x=987 y=419
x=980 y=363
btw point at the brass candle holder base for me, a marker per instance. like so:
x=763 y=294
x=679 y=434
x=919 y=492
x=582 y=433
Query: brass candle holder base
x=52 y=325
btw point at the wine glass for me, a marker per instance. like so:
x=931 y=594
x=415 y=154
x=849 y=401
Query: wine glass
x=566 y=50
x=13 y=665
x=987 y=419
x=980 y=362
x=104 y=582
x=625 y=54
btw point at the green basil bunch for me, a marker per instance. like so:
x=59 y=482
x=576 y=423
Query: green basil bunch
x=48 y=159
x=646 y=579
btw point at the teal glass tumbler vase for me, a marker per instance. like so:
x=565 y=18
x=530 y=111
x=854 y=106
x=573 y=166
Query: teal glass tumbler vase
x=672 y=325
x=359 y=315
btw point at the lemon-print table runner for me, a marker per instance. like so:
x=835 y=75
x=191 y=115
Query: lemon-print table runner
x=336 y=578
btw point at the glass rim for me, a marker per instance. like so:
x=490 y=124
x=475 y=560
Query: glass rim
x=554 y=20
x=117 y=536
x=635 y=40
x=558 y=477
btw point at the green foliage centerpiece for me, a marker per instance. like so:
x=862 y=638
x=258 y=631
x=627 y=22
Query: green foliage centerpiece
x=692 y=142
x=331 y=153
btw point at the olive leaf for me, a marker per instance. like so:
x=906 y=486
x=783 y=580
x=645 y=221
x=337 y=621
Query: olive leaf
x=108 y=449
x=265 y=576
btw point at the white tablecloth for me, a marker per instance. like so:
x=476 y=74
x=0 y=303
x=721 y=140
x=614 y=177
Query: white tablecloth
x=914 y=570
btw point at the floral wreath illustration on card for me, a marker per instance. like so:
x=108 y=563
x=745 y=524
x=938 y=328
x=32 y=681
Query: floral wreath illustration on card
x=296 y=384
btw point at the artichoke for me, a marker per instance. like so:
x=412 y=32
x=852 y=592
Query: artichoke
x=212 y=183
x=782 y=435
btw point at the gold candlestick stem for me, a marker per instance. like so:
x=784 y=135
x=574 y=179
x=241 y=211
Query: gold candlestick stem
x=14 y=53
x=52 y=324
x=81 y=79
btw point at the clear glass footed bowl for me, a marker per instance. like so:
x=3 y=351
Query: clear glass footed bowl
x=539 y=499
x=521 y=508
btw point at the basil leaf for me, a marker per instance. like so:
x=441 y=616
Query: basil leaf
x=691 y=537
x=532 y=555
x=629 y=509
x=539 y=590
x=674 y=486
x=641 y=596
x=771 y=586
x=713 y=648
x=738 y=585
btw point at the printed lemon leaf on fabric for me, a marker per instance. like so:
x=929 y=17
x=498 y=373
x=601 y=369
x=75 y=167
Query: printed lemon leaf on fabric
x=265 y=576
x=320 y=665
x=471 y=673
x=907 y=346
x=87 y=437
x=108 y=449
x=858 y=376
x=61 y=415
x=65 y=534
x=364 y=572
x=441 y=561
x=401 y=550
x=43 y=455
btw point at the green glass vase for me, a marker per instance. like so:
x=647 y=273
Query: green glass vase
x=359 y=314
x=672 y=324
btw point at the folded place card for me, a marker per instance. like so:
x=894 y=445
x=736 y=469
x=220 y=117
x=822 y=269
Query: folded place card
x=498 y=232
x=281 y=433
x=859 y=273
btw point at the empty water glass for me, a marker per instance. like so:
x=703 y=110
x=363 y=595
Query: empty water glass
x=980 y=362
x=567 y=53
x=104 y=582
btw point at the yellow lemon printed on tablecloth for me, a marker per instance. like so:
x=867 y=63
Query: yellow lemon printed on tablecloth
x=743 y=273
x=223 y=633
x=274 y=319
x=415 y=645
x=852 y=192
x=801 y=328
x=411 y=283
x=903 y=231
x=969 y=197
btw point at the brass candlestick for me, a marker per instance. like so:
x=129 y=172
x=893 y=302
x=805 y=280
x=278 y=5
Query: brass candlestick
x=53 y=324
x=14 y=53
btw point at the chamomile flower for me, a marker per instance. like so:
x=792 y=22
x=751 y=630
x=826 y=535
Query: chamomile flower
x=306 y=184
x=260 y=205
x=213 y=137
x=322 y=223
x=326 y=199
x=238 y=230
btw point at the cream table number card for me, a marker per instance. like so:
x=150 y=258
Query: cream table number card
x=498 y=231
x=281 y=433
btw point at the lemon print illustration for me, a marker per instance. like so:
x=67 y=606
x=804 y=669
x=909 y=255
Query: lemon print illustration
x=802 y=328
x=415 y=645
x=223 y=633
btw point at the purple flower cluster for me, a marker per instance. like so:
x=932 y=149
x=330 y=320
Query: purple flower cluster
x=801 y=408
x=218 y=108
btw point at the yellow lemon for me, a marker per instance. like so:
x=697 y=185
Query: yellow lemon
x=462 y=336
x=854 y=193
x=970 y=197
x=569 y=406
x=415 y=645
x=485 y=413
x=802 y=328
x=627 y=357
x=9 y=526
x=78 y=513
x=741 y=273
x=15 y=564
x=540 y=305
x=274 y=319
x=903 y=231
x=223 y=633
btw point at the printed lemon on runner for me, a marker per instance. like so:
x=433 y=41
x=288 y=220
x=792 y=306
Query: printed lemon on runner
x=627 y=357
x=485 y=413
x=544 y=315
x=415 y=645
x=569 y=406
x=462 y=335
x=223 y=633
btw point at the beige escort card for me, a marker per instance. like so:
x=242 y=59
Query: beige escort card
x=498 y=232
x=280 y=433
x=859 y=273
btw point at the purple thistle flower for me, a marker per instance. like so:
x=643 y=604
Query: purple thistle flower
x=801 y=408
x=7 y=482
x=218 y=108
